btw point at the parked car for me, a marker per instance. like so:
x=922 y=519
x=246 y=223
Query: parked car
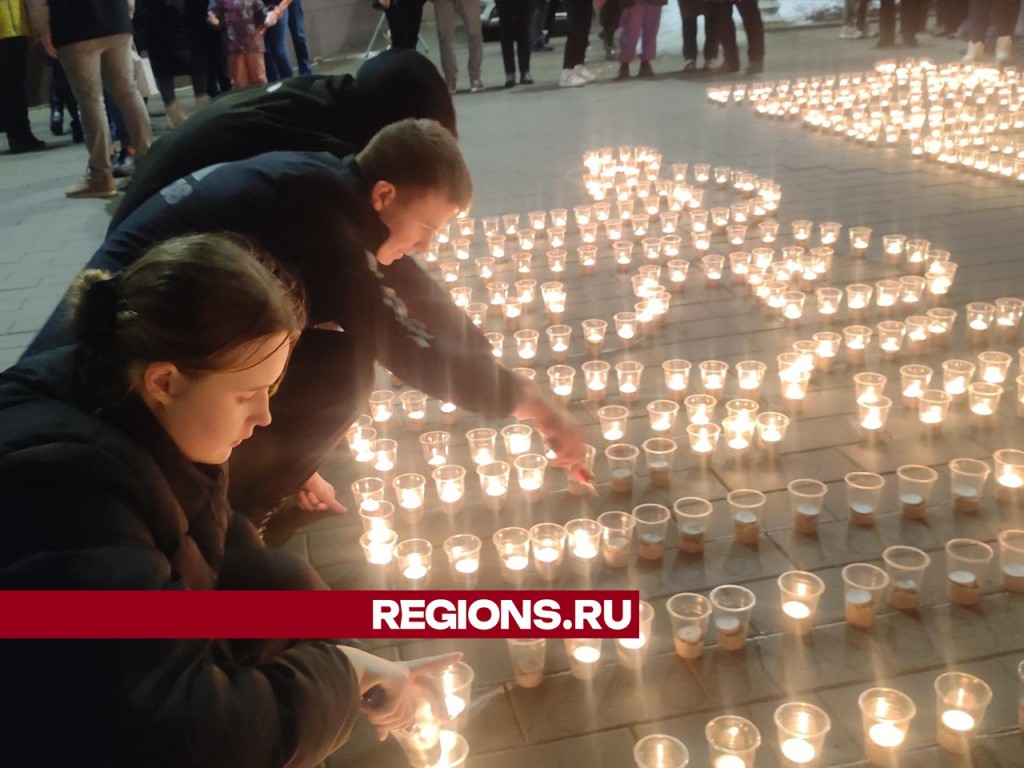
x=489 y=19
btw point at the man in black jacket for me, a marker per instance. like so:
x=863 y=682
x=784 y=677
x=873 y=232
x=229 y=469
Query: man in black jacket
x=336 y=114
x=342 y=227
x=90 y=36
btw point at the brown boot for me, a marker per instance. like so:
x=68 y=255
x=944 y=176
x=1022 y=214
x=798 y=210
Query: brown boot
x=93 y=186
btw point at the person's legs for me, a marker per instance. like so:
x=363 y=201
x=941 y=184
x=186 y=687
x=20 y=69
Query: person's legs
x=277 y=65
x=720 y=16
x=523 y=17
x=415 y=19
x=81 y=63
x=255 y=63
x=444 y=14
x=399 y=24
x=119 y=78
x=507 y=36
x=753 y=26
x=474 y=33
x=651 y=24
x=239 y=70
x=979 y=13
x=630 y=23
x=887 y=22
x=912 y=14
x=538 y=16
x=1005 y=16
x=13 y=103
x=578 y=17
x=297 y=28
x=688 y=13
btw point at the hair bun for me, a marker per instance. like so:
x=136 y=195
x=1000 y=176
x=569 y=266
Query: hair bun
x=96 y=308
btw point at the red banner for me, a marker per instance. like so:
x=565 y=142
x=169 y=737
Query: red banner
x=285 y=614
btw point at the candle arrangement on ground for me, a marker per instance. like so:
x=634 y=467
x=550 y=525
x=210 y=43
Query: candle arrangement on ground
x=663 y=235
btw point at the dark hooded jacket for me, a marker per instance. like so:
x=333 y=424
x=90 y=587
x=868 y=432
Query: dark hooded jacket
x=312 y=213
x=95 y=495
x=314 y=113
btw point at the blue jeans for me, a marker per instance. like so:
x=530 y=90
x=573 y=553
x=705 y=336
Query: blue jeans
x=297 y=27
x=275 y=56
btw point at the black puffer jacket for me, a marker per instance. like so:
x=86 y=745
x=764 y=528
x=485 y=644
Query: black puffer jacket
x=94 y=495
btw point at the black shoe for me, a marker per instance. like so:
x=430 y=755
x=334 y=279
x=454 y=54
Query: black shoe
x=57 y=124
x=623 y=72
x=610 y=54
x=77 y=135
x=755 y=68
x=726 y=69
x=510 y=81
x=526 y=79
x=31 y=144
x=645 y=69
x=123 y=166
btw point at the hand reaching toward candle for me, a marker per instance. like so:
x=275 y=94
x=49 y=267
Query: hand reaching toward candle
x=317 y=494
x=398 y=687
x=555 y=425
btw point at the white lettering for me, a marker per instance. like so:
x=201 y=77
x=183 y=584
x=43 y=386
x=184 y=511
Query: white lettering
x=447 y=620
x=413 y=614
x=588 y=613
x=609 y=615
x=545 y=614
x=385 y=611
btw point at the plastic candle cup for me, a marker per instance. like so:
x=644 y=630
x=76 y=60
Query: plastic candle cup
x=651 y=527
x=732 y=606
x=826 y=348
x=381 y=405
x=554 y=297
x=510 y=223
x=669 y=222
x=526 y=291
x=526 y=346
x=956 y=375
x=713 y=264
x=940 y=325
x=967 y=478
x=801 y=728
x=622 y=253
x=1011 y=560
x=939 y=279
x=616 y=538
x=671 y=247
x=582 y=214
x=703 y=439
x=906 y=567
x=979 y=316
x=632 y=651
x=799 y=593
x=461 y=296
x=560 y=379
x=677 y=377
x=967 y=562
x=858 y=299
x=893 y=247
x=732 y=742
x=660 y=751
x=621 y=458
x=806 y=497
x=662 y=415
x=628 y=374
x=1008 y=316
x=627 y=328
x=860 y=238
x=750 y=377
x=738 y=433
x=768 y=231
x=1009 y=473
x=713 y=374
x=368 y=492
x=660 y=455
x=613 y=227
x=413 y=558
x=593 y=335
x=915 y=485
x=771 y=429
x=914 y=380
x=983 y=403
x=692 y=517
x=793 y=306
x=530 y=475
x=993 y=367
x=410 y=490
x=932 y=409
x=482 y=443
x=463 y=553
x=573 y=482
x=494 y=479
x=961 y=701
x=918 y=338
x=691 y=615
x=384 y=456
x=868 y=386
x=864 y=585
x=450 y=271
x=595 y=379
x=450 y=482
x=912 y=289
x=528 y=659
x=885 y=717
x=583 y=538
x=890 y=338
x=613 y=420
x=856 y=339
x=513 y=548
x=584 y=657
x=887 y=295
x=547 y=541
x=379 y=545
x=872 y=416
x=863 y=494
x=745 y=508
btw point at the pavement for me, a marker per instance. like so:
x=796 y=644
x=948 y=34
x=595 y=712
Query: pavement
x=524 y=147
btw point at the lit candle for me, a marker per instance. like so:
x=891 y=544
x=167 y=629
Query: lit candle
x=415 y=568
x=798 y=751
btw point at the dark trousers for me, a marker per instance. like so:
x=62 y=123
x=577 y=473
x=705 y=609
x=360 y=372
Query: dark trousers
x=725 y=30
x=297 y=28
x=514 y=17
x=609 y=17
x=543 y=18
x=275 y=55
x=690 y=11
x=950 y=14
x=579 y=15
x=61 y=95
x=13 y=102
x=207 y=62
x=911 y=20
x=404 y=17
x=1001 y=14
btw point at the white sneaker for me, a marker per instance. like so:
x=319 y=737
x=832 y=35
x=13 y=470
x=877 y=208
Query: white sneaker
x=586 y=74
x=570 y=79
x=975 y=51
x=849 y=33
x=1004 y=48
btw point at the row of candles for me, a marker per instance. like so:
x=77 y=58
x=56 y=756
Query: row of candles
x=957 y=114
x=585 y=542
x=801 y=727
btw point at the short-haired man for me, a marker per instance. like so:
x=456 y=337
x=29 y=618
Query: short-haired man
x=342 y=227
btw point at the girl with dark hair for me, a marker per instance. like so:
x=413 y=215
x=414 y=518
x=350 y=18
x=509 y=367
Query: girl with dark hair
x=112 y=476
